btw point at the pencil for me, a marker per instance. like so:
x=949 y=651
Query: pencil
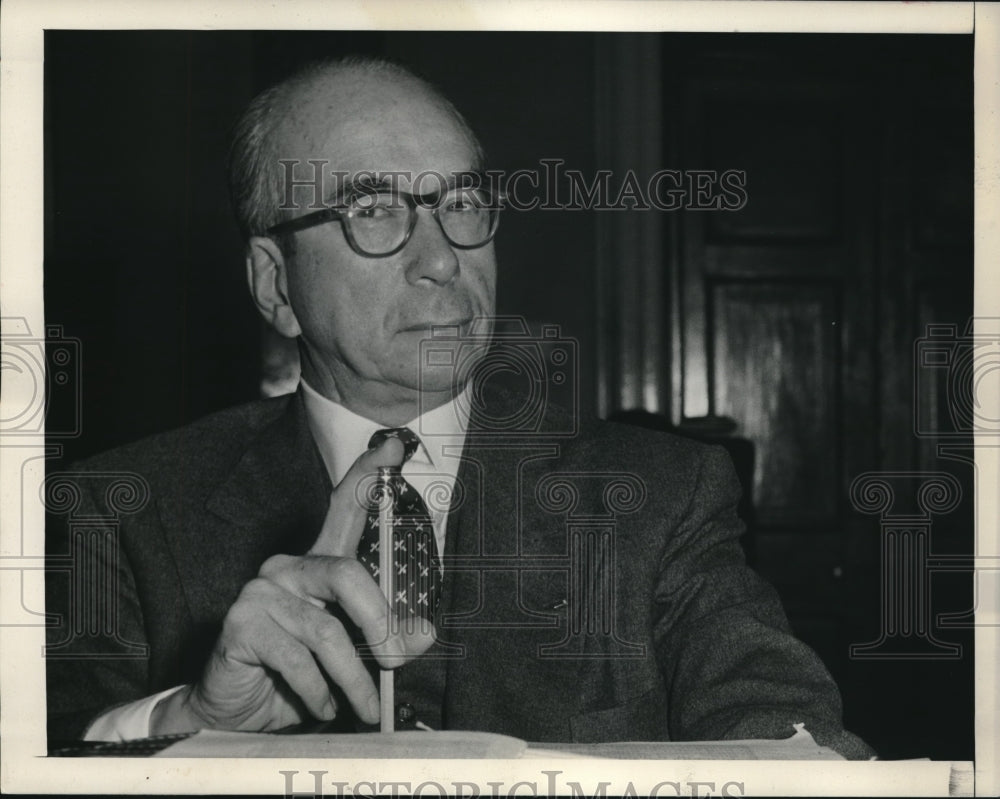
x=386 y=579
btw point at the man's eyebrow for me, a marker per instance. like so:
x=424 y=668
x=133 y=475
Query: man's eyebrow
x=342 y=191
x=466 y=178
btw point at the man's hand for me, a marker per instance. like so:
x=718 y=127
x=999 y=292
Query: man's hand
x=279 y=647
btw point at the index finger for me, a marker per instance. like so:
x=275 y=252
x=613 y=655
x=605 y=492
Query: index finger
x=391 y=639
x=348 y=511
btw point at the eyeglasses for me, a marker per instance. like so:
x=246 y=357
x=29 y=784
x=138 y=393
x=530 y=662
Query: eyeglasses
x=378 y=223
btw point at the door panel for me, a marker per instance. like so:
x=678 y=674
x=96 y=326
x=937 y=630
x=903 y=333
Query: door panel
x=776 y=371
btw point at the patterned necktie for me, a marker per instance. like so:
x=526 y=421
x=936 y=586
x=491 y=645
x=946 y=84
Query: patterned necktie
x=415 y=558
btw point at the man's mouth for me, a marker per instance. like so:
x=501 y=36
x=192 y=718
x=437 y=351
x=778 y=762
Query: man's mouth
x=427 y=327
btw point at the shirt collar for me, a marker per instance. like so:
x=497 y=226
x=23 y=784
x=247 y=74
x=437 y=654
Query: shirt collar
x=342 y=435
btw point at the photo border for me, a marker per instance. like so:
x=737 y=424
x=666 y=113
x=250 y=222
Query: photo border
x=22 y=683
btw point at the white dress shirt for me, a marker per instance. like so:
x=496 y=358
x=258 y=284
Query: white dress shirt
x=341 y=437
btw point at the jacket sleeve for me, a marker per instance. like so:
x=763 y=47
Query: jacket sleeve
x=96 y=653
x=732 y=668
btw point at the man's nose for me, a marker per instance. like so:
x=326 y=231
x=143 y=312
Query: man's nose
x=430 y=256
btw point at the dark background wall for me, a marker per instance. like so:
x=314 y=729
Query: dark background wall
x=143 y=259
x=796 y=317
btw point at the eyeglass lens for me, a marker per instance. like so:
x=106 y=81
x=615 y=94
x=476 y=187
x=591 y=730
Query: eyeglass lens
x=380 y=222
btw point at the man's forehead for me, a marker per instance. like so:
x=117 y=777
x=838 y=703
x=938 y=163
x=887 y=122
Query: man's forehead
x=362 y=122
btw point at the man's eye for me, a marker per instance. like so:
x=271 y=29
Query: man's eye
x=464 y=203
x=371 y=212
x=374 y=206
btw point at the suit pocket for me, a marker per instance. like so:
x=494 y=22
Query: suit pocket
x=543 y=592
x=641 y=719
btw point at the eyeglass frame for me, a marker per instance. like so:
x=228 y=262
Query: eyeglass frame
x=430 y=200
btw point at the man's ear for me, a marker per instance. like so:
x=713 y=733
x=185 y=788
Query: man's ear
x=268 y=279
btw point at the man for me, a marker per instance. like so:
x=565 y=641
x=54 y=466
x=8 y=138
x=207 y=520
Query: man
x=244 y=574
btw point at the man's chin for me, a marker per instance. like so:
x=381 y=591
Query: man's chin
x=439 y=380
x=445 y=363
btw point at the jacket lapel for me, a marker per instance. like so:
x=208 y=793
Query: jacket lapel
x=280 y=475
x=272 y=501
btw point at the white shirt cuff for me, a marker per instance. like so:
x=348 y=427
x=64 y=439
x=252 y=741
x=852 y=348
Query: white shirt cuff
x=126 y=722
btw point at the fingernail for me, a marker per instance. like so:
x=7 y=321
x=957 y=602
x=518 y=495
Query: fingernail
x=330 y=709
x=374 y=708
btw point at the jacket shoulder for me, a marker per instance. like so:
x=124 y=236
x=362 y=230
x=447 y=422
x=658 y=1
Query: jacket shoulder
x=641 y=440
x=586 y=436
x=219 y=439
x=676 y=471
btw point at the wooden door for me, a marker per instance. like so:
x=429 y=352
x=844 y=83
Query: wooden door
x=801 y=316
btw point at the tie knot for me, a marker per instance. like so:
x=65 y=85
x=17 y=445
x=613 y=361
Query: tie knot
x=410 y=440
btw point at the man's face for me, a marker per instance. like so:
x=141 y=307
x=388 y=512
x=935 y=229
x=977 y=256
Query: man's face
x=362 y=319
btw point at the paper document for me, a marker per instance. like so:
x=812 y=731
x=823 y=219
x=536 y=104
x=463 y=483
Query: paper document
x=409 y=744
x=800 y=746
x=462 y=744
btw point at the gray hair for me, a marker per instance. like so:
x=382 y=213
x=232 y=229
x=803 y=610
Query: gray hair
x=255 y=182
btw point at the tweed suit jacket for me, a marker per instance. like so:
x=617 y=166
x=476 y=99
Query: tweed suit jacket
x=594 y=589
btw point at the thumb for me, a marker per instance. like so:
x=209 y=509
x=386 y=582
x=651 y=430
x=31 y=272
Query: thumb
x=345 y=520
